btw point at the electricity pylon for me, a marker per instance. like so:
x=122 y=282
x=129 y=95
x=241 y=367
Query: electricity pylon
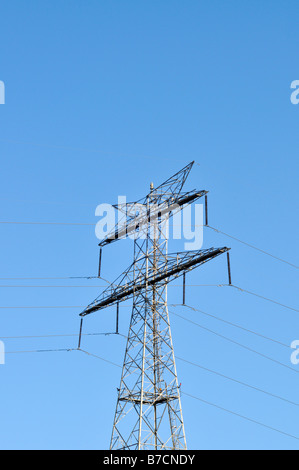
x=148 y=412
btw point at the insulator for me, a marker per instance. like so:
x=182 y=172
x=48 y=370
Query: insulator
x=229 y=271
x=206 y=210
x=100 y=263
x=80 y=333
x=117 y=317
x=184 y=289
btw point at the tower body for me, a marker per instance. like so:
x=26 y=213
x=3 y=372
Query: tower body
x=148 y=412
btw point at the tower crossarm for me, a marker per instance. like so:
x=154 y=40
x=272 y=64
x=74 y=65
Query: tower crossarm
x=137 y=215
x=174 y=267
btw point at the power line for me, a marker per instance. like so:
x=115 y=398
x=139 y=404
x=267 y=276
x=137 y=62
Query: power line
x=96 y=287
x=42 y=307
x=237 y=381
x=52 y=278
x=193 y=225
x=99 y=357
x=264 y=298
x=56 y=203
x=240 y=416
x=45 y=223
x=236 y=343
x=241 y=289
x=216 y=406
x=184 y=318
x=40 y=351
x=215 y=373
x=253 y=247
x=184 y=393
x=113 y=333
x=107 y=334
x=54 y=287
x=171 y=305
x=57 y=336
x=215 y=285
x=231 y=324
x=177 y=357
x=46 y=278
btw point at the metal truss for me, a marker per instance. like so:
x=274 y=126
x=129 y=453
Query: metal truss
x=127 y=285
x=148 y=412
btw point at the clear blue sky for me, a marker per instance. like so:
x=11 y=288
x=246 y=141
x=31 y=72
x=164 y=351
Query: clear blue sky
x=102 y=98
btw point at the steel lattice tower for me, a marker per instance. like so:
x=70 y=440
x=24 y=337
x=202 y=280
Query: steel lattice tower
x=148 y=412
x=149 y=397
